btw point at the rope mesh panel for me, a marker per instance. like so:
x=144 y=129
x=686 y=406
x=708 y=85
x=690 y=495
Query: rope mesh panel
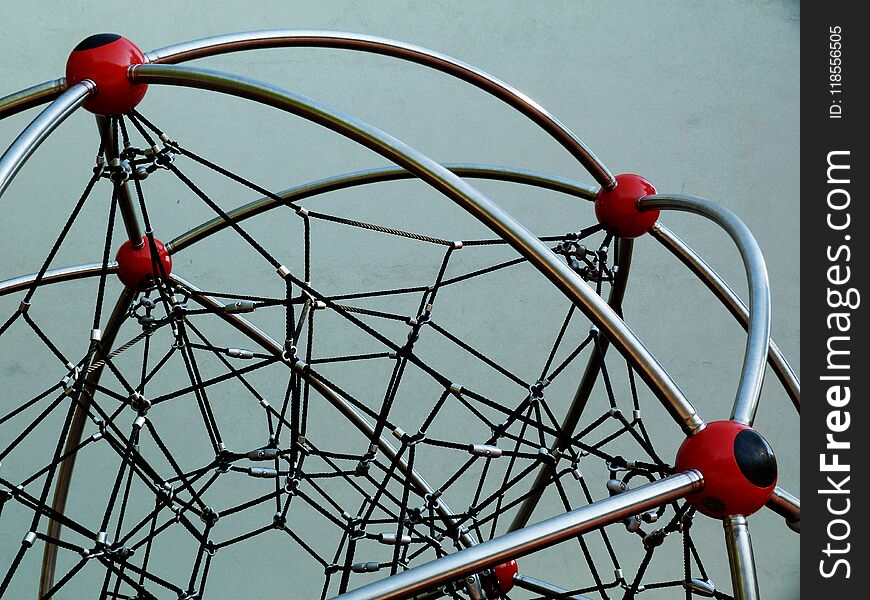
x=353 y=501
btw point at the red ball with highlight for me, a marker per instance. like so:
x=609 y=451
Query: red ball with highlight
x=135 y=268
x=504 y=575
x=104 y=59
x=617 y=210
x=738 y=466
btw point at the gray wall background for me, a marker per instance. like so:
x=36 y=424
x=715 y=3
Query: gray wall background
x=700 y=98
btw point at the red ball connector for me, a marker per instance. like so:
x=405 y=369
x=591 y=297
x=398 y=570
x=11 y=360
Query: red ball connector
x=738 y=466
x=617 y=210
x=104 y=59
x=135 y=269
x=504 y=574
x=502 y=579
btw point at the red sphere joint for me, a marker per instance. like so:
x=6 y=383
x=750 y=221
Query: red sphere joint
x=104 y=59
x=135 y=267
x=617 y=210
x=504 y=578
x=738 y=466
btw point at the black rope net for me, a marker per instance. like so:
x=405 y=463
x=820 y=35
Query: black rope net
x=378 y=430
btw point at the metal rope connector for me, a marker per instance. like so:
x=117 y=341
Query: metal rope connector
x=485 y=450
x=263 y=454
x=70 y=382
x=263 y=472
x=393 y=539
x=242 y=306
x=365 y=567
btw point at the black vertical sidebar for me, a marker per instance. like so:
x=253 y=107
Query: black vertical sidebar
x=835 y=340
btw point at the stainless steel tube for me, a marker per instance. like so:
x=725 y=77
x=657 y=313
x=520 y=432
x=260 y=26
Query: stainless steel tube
x=126 y=203
x=741 y=559
x=758 y=338
x=80 y=419
x=788 y=506
x=33 y=96
x=709 y=277
x=529 y=539
x=59 y=275
x=481 y=207
x=235 y=42
x=40 y=128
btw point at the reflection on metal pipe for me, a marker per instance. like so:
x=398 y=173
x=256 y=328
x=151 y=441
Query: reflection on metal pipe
x=59 y=275
x=33 y=96
x=741 y=559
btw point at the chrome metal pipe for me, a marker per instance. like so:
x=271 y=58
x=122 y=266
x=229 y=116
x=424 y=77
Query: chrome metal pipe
x=788 y=506
x=481 y=207
x=59 y=275
x=33 y=96
x=542 y=588
x=581 y=396
x=344 y=407
x=739 y=544
x=40 y=128
x=235 y=42
x=126 y=202
x=370 y=176
x=77 y=427
x=758 y=338
x=720 y=288
x=529 y=539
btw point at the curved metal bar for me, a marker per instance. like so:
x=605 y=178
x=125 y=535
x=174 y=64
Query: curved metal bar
x=77 y=427
x=33 y=96
x=360 y=178
x=743 y=577
x=58 y=275
x=40 y=128
x=235 y=42
x=481 y=207
x=581 y=396
x=529 y=539
x=720 y=288
x=354 y=416
x=758 y=338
